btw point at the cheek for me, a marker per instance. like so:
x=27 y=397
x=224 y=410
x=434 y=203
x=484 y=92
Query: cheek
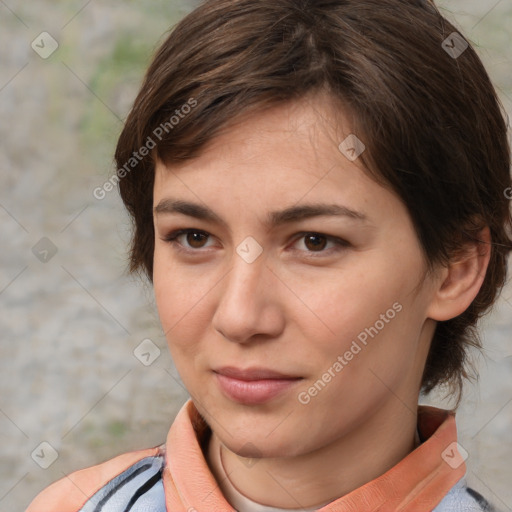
x=172 y=295
x=372 y=304
x=343 y=300
x=181 y=296
x=165 y=290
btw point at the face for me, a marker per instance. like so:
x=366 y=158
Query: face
x=290 y=325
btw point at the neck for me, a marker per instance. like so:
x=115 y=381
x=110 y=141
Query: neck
x=334 y=470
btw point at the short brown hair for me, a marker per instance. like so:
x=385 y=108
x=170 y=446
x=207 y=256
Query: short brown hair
x=430 y=119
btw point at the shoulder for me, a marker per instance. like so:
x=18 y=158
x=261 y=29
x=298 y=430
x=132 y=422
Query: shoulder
x=462 y=498
x=127 y=475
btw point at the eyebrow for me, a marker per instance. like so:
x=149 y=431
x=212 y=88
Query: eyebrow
x=274 y=219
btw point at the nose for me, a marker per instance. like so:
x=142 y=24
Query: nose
x=248 y=309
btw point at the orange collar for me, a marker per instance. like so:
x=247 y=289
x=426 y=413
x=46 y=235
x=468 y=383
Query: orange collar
x=417 y=483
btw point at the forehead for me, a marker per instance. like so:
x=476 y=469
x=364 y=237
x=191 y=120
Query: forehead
x=315 y=117
x=281 y=156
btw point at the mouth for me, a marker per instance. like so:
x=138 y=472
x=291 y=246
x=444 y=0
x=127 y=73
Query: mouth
x=253 y=386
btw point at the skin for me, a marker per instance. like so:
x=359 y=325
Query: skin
x=300 y=304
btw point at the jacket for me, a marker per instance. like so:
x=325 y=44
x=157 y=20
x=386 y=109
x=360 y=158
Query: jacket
x=175 y=477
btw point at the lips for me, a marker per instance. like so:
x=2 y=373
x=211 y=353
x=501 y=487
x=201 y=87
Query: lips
x=251 y=374
x=253 y=386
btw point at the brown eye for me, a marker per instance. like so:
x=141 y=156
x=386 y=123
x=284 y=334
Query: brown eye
x=315 y=242
x=188 y=239
x=196 y=239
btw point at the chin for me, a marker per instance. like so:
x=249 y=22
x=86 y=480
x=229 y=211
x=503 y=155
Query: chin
x=255 y=445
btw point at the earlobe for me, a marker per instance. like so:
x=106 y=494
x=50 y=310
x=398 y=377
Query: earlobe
x=460 y=282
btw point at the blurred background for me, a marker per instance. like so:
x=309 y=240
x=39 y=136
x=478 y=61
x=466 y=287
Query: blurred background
x=72 y=391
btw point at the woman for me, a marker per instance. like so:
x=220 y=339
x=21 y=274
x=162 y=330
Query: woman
x=317 y=189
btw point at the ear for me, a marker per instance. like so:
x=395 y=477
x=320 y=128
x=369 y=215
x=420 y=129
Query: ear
x=460 y=282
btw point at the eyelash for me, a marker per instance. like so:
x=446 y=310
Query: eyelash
x=171 y=238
